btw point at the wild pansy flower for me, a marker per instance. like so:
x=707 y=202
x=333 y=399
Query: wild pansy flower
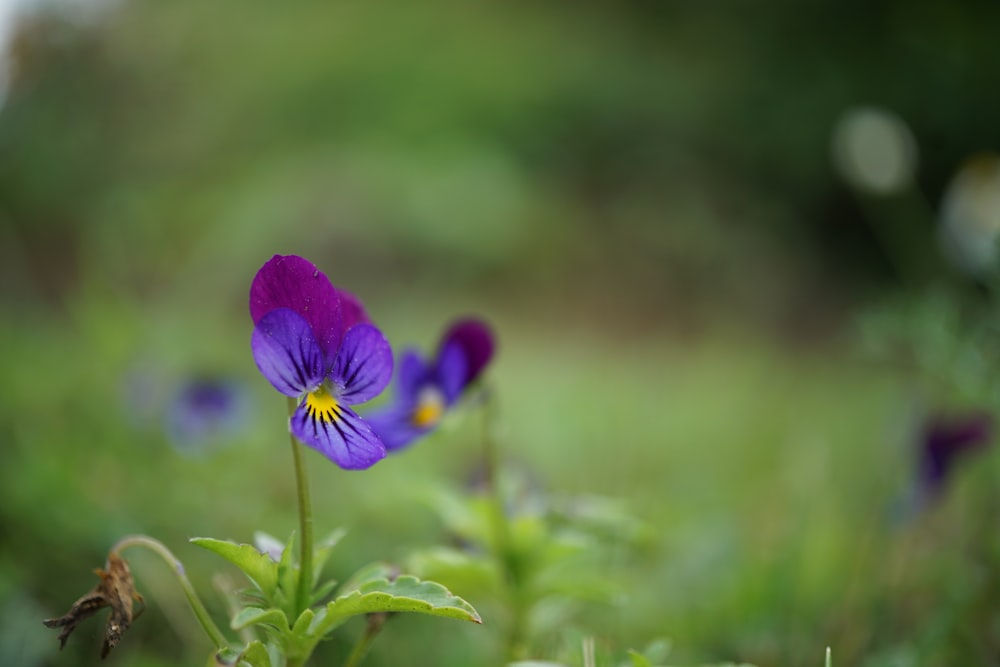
x=426 y=390
x=314 y=342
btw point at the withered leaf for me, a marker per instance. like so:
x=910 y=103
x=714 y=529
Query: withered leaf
x=115 y=590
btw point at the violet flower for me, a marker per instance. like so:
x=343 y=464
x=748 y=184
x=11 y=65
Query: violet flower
x=315 y=343
x=946 y=440
x=204 y=409
x=426 y=390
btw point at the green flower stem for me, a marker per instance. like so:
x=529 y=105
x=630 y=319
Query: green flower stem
x=501 y=531
x=157 y=547
x=305 y=522
x=375 y=623
x=506 y=556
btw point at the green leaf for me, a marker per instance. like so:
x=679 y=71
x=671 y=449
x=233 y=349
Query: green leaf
x=322 y=551
x=225 y=656
x=255 y=655
x=288 y=577
x=254 y=616
x=468 y=518
x=638 y=659
x=252 y=597
x=371 y=572
x=258 y=567
x=404 y=594
x=303 y=622
x=323 y=591
x=658 y=650
x=549 y=616
x=608 y=519
x=457 y=569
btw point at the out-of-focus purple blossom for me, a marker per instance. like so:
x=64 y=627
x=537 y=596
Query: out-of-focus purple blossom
x=946 y=440
x=269 y=545
x=315 y=343
x=206 y=410
x=940 y=445
x=425 y=390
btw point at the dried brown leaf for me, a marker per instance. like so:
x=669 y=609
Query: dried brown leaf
x=115 y=590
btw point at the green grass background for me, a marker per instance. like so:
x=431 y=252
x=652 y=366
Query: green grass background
x=639 y=199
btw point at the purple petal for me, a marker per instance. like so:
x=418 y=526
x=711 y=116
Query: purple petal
x=452 y=371
x=292 y=282
x=394 y=425
x=946 y=440
x=352 y=309
x=475 y=338
x=413 y=372
x=205 y=409
x=363 y=366
x=269 y=545
x=346 y=439
x=286 y=352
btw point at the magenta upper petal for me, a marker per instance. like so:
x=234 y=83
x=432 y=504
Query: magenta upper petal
x=348 y=440
x=289 y=281
x=352 y=309
x=363 y=367
x=286 y=352
x=475 y=338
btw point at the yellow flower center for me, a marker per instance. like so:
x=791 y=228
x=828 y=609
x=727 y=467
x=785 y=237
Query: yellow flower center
x=430 y=407
x=320 y=404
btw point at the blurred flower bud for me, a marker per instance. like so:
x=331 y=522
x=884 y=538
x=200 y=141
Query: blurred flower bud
x=970 y=215
x=874 y=151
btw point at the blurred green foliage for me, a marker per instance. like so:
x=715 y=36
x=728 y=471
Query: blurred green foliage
x=637 y=195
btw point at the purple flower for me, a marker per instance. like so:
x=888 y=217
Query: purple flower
x=203 y=410
x=425 y=391
x=315 y=343
x=946 y=440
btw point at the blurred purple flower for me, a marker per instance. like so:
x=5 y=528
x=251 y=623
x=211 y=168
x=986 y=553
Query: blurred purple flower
x=269 y=545
x=206 y=409
x=946 y=440
x=315 y=343
x=425 y=391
